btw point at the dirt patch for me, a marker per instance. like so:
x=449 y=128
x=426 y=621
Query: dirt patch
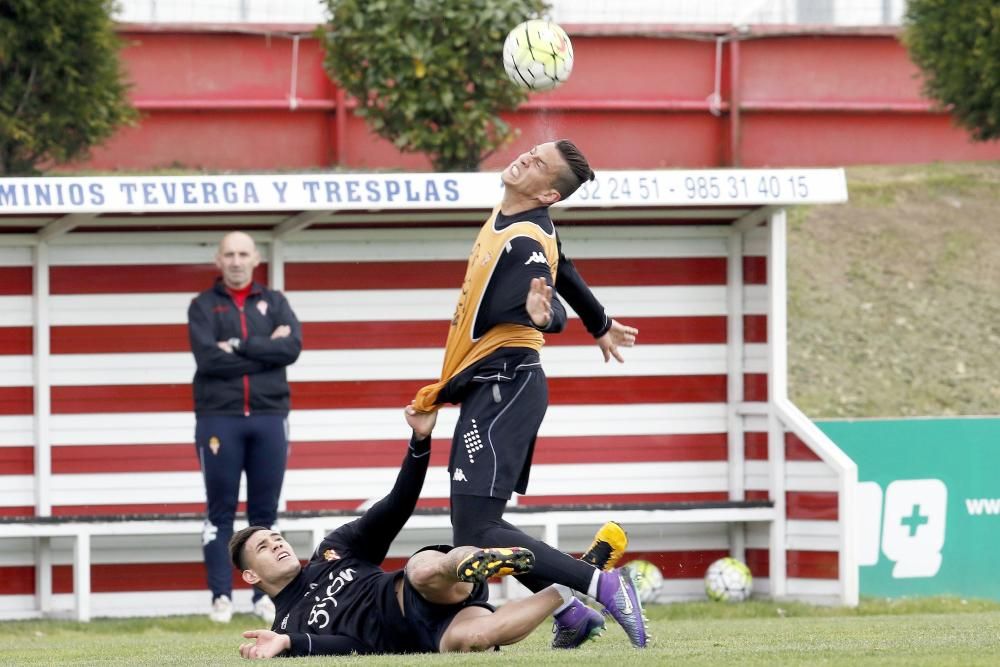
x=893 y=297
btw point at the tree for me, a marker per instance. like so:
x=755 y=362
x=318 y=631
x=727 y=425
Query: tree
x=957 y=45
x=61 y=83
x=427 y=74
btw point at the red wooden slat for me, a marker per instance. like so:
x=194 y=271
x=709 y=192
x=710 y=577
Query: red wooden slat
x=133 y=508
x=17 y=461
x=755 y=446
x=813 y=564
x=17 y=510
x=86 y=459
x=759 y=562
x=812 y=505
x=755 y=328
x=17 y=400
x=139 y=577
x=181 y=457
x=120 y=339
x=755 y=270
x=593 y=498
x=138 y=278
x=688 y=564
x=353 y=504
x=16 y=340
x=755 y=387
x=15 y=280
x=111 y=339
x=796 y=450
x=382 y=394
x=17 y=580
x=448 y=274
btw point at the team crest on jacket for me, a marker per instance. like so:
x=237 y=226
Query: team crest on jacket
x=214 y=444
x=331 y=554
x=262 y=307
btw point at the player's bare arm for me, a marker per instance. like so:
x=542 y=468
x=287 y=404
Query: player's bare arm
x=619 y=335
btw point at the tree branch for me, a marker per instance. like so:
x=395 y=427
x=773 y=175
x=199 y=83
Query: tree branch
x=27 y=90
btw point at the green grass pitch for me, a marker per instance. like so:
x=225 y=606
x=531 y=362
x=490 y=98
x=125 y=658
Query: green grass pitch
x=938 y=632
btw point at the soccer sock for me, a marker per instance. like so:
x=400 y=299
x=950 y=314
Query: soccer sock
x=566 y=593
x=592 y=589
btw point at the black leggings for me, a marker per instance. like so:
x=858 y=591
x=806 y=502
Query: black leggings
x=478 y=521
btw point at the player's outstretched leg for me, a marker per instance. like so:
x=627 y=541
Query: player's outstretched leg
x=577 y=622
x=494 y=562
x=476 y=629
x=616 y=592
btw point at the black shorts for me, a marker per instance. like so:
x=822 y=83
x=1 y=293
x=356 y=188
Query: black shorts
x=427 y=620
x=495 y=436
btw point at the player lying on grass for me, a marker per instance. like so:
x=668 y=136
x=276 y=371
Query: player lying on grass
x=342 y=602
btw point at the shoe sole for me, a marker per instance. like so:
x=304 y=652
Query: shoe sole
x=497 y=562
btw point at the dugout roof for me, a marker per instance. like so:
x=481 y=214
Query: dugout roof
x=280 y=204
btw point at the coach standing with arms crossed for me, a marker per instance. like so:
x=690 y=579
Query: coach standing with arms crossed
x=243 y=336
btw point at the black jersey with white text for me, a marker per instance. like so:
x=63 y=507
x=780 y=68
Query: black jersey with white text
x=342 y=601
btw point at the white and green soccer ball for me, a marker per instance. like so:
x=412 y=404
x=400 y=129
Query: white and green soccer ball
x=647 y=578
x=538 y=55
x=728 y=580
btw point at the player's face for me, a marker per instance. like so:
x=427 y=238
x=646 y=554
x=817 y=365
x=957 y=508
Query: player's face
x=533 y=173
x=236 y=258
x=270 y=556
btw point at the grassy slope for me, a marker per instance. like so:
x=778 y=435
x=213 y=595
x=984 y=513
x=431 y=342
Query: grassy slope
x=920 y=632
x=892 y=297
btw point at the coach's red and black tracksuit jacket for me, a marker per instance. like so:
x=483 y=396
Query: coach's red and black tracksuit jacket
x=252 y=379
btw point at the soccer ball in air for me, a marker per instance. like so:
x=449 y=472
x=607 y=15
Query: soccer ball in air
x=728 y=580
x=538 y=55
x=647 y=578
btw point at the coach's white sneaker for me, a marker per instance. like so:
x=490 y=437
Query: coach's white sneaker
x=264 y=608
x=222 y=609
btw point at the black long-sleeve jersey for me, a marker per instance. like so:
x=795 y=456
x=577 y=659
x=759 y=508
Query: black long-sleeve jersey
x=342 y=601
x=504 y=298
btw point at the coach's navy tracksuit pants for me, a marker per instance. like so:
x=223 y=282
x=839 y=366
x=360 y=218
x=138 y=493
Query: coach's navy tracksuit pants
x=226 y=446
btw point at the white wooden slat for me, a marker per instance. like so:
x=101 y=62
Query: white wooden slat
x=373 y=483
x=113 y=252
x=15 y=256
x=367 y=305
x=351 y=245
x=800 y=476
x=15 y=311
x=17 y=491
x=17 y=430
x=81 y=370
x=16 y=370
x=387 y=424
x=579 y=242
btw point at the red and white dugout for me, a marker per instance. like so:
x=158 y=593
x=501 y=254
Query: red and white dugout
x=693 y=439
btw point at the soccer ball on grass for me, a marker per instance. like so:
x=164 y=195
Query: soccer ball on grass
x=538 y=55
x=728 y=580
x=647 y=578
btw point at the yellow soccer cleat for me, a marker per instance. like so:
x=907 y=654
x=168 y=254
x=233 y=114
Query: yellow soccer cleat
x=484 y=564
x=608 y=547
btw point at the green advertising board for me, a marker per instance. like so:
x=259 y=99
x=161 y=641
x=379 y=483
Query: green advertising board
x=928 y=504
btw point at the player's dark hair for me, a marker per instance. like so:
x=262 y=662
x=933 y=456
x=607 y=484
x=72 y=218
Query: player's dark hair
x=238 y=541
x=579 y=172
